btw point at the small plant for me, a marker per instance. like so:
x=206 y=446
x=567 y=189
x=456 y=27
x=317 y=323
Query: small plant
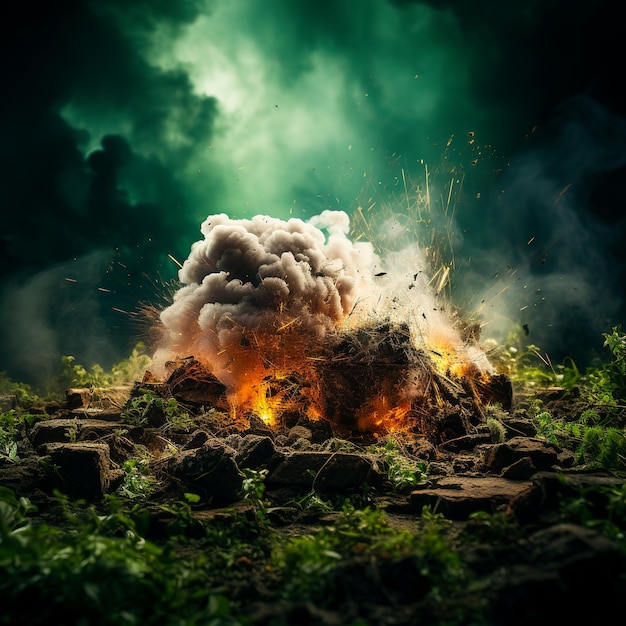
x=600 y=507
x=308 y=565
x=136 y=411
x=605 y=447
x=547 y=427
x=14 y=512
x=607 y=382
x=253 y=489
x=402 y=472
x=73 y=374
x=312 y=502
x=184 y=524
x=8 y=436
x=491 y=527
x=24 y=393
x=73 y=431
x=138 y=483
x=177 y=418
x=11 y=424
x=528 y=367
x=594 y=441
x=149 y=409
x=497 y=432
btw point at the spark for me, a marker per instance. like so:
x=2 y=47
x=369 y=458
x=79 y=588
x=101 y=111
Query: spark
x=443 y=280
x=287 y=324
x=564 y=190
x=230 y=319
x=175 y=260
x=406 y=193
x=71 y=280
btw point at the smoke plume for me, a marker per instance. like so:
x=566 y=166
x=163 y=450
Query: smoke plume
x=260 y=296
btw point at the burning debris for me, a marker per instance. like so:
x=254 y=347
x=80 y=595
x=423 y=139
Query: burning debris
x=293 y=318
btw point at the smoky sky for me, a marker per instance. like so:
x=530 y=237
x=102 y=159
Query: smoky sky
x=124 y=125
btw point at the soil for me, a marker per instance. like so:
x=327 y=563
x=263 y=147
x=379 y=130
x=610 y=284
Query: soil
x=542 y=566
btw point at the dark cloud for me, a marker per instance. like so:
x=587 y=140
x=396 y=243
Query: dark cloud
x=105 y=178
x=123 y=125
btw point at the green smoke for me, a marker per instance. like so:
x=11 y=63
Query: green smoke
x=125 y=124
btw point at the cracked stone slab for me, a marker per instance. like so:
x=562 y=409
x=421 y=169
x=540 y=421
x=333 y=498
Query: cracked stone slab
x=457 y=497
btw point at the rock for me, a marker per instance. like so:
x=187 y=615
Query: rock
x=457 y=497
x=98 y=398
x=546 y=490
x=415 y=446
x=518 y=424
x=106 y=415
x=61 y=429
x=320 y=429
x=554 y=584
x=23 y=477
x=198 y=438
x=323 y=470
x=192 y=383
x=466 y=442
x=522 y=469
x=256 y=425
x=256 y=452
x=298 y=432
x=7 y=402
x=498 y=389
x=79 y=470
x=542 y=454
x=210 y=471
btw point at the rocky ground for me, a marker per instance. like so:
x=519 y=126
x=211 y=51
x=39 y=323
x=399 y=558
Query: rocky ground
x=540 y=566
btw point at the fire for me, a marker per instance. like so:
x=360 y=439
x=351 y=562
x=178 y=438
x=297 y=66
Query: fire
x=384 y=414
x=263 y=408
x=294 y=317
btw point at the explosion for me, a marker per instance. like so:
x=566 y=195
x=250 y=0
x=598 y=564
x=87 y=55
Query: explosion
x=295 y=316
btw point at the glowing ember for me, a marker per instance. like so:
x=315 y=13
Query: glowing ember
x=294 y=316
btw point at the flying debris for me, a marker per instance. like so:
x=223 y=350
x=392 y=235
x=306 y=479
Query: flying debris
x=283 y=312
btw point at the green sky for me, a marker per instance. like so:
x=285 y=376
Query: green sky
x=126 y=124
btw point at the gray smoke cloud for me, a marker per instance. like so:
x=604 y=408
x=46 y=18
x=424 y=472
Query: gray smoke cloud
x=260 y=295
x=32 y=310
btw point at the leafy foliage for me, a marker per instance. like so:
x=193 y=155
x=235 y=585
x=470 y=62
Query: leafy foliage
x=308 y=565
x=253 y=488
x=138 y=482
x=11 y=423
x=594 y=442
x=607 y=381
x=149 y=408
x=402 y=472
x=23 y=392
x=100 y=570
x=128 y=370
x=529 y=368
x=8 y=436
x=600 y=507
